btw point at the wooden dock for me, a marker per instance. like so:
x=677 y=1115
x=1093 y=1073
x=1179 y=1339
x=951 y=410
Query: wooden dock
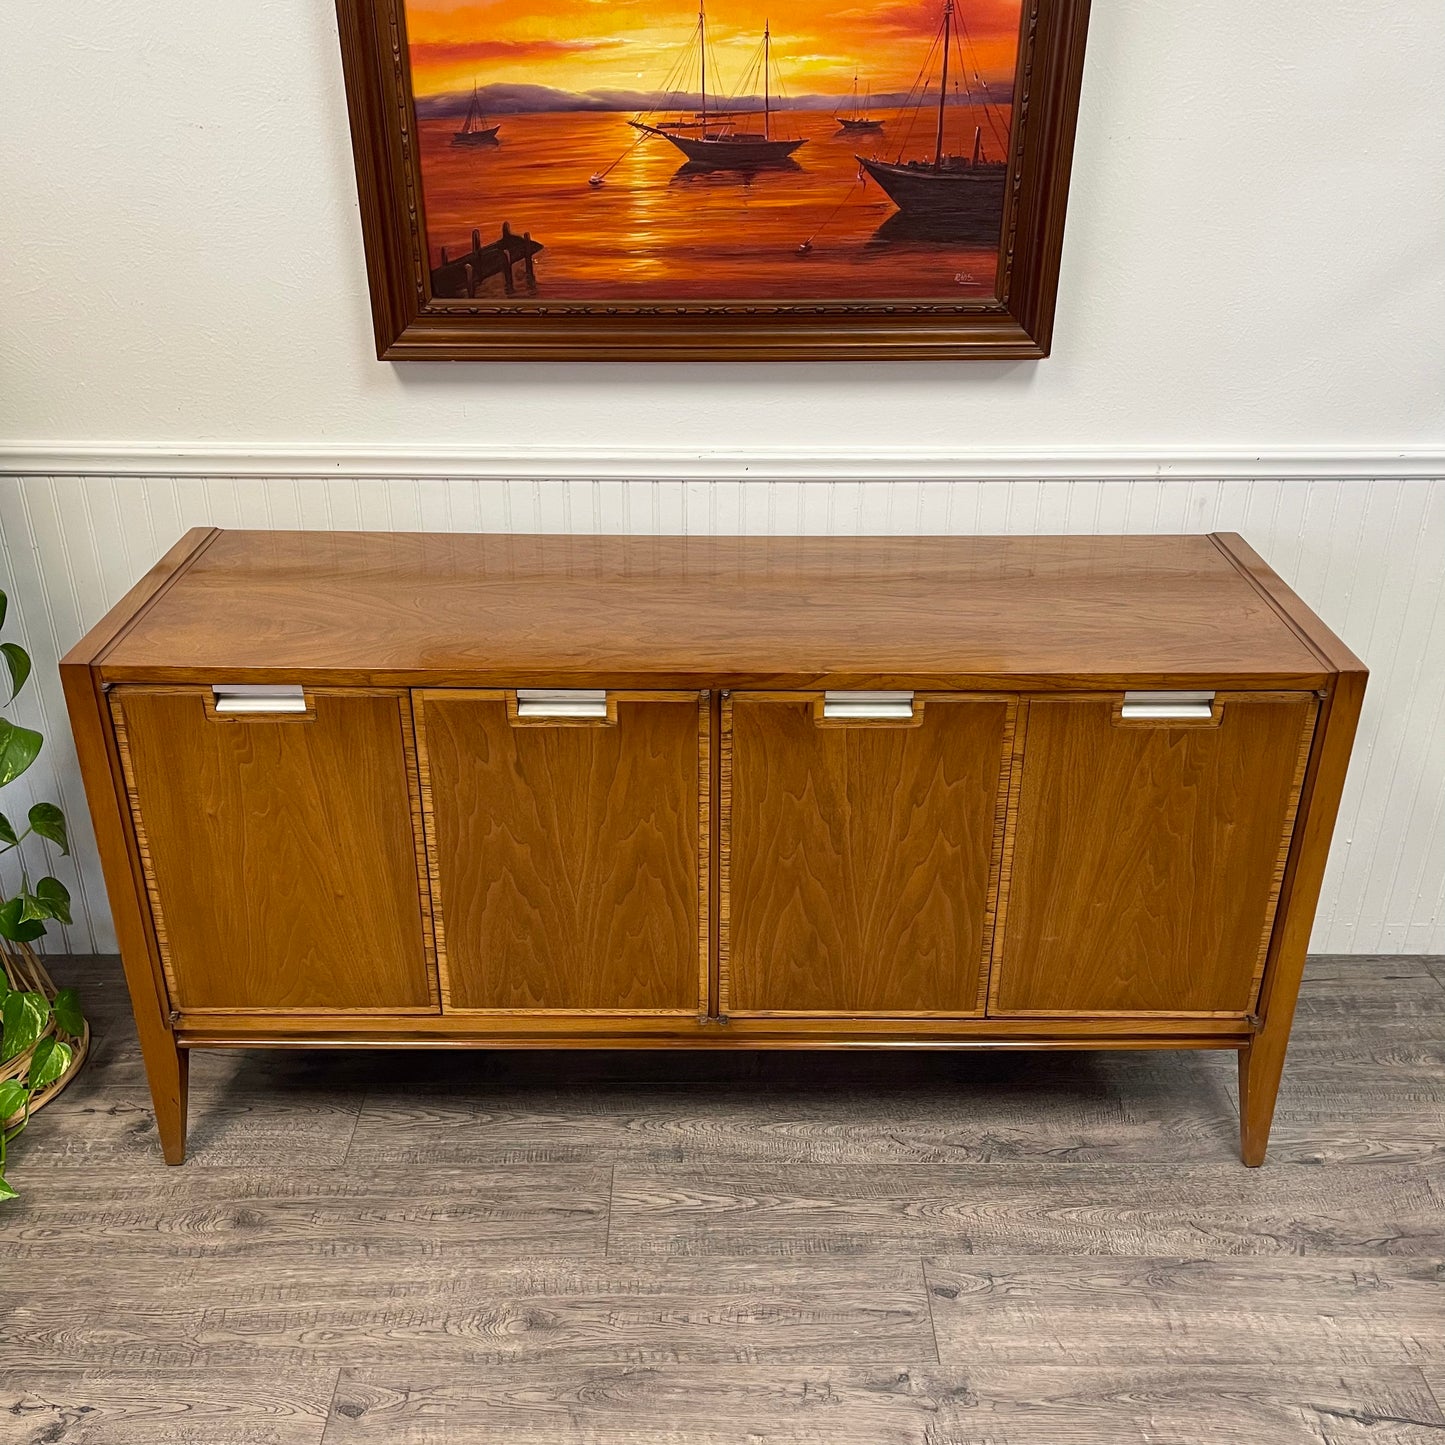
x=463 y=275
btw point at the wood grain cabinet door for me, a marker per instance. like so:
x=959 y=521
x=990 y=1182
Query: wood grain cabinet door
x=1148 y=856
x=860 y=856
x=283 y=853
x=568 y=856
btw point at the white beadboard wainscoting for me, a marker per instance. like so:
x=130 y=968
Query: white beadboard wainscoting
x=1368 y=555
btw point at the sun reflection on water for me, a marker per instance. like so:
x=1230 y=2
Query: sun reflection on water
x=657 y=229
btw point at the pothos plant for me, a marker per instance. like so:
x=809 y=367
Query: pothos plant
x=31 y=1022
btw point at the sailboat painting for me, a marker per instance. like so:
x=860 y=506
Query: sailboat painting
x=858 y=118
x=719 y=152
x=475 y=131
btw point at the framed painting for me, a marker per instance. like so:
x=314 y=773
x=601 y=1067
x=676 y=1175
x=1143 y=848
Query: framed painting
x=660 y=180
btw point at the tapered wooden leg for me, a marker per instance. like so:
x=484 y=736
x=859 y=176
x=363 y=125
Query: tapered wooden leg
x=166 y=1065
x=1261 y=1065
x=1261 y=1061
x=168 y=1072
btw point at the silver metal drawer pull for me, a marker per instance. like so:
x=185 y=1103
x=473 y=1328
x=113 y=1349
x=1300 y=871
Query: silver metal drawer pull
x=1167 y=705
x=259 y=697
x=561 y=702
x=864 y=705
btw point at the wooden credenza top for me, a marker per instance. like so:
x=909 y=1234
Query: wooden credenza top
x=352 y=607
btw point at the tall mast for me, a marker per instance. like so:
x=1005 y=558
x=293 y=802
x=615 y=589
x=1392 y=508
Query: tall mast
x=767 y=42
x=702 y=48
x=943 y=85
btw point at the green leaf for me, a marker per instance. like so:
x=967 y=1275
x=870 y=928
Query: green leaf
x=18 y=660
x=7 y=831
x=23 y=1018
x=49 y=1061
x=18 y=747
x=47 y=820
x=12 y=927
x=6 y=1191
x=54 y=897
x=4 y=603
x=68 y=1017
x=13 y=1095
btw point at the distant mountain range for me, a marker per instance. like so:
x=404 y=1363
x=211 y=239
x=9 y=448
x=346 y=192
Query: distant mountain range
x=518 y=99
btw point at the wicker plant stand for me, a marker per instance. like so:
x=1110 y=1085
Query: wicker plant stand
x=24 y=970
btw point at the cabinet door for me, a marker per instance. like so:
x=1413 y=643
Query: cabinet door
x=860 y=857
x=284 y=869
x=568 y=855
x=1149 y=856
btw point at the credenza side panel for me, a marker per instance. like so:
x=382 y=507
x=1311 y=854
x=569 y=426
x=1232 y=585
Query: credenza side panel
x=282 y=853
x=569 y=861
x=861 y=860
x=1148 y=858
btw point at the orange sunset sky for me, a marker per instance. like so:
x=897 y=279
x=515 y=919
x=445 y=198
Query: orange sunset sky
x=585 y=45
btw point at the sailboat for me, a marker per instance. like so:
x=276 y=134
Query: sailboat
x=475 y=131
x=956 y=188
x=857 y=121
x=717 y=144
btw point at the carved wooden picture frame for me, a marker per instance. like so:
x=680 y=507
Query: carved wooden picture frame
x=483 y=298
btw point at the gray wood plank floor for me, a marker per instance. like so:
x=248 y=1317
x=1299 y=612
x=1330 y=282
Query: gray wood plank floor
x=651 y=1249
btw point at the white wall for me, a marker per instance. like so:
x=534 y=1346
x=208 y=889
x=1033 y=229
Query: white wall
x=1252 y=306
x=1254 y=255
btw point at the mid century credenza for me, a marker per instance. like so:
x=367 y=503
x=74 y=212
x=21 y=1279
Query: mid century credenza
x=493 y=791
